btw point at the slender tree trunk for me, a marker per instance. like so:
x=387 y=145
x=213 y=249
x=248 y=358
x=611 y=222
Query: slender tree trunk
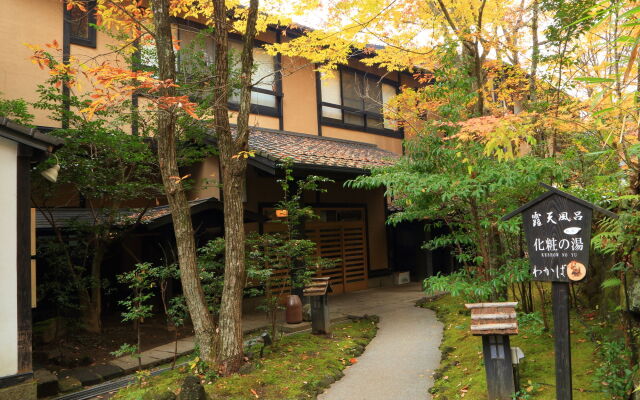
x=482 y=240
x=535 y=51
x=92 y=312
x=234 y=166
x=202 y=319
x=139 y=341
x=543 y=305
x=470 y=53
x=479 y=79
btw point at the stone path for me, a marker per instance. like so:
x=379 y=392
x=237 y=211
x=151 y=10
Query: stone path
x=400 y=360
x=397 y=364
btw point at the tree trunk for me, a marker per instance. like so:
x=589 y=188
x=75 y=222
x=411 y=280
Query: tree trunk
x=470 y=53
x=202 y=319
x=234 y=166
x=535 y=51
x=92 y=311
x=231 y=352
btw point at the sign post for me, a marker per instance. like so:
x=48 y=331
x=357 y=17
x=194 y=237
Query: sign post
x=557 y=229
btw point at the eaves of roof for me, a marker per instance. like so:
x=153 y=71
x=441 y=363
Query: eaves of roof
x=28 y=136
x=314 y=153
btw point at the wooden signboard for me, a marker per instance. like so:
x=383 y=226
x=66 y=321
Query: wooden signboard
x=557 y=229
x=558 y=233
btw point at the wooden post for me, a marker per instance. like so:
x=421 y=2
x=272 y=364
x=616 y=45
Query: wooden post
x=24 y=259
x=499 y=367
x=495 y=322
x=557 y=227
x=560 y=301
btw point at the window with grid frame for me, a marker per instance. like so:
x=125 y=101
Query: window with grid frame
x=81 y=21
x=357 y=100
x=264 y=94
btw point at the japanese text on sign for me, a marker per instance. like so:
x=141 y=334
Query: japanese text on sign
x=558 y=233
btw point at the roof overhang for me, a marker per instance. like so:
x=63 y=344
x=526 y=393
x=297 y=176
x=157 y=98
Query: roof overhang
x=273 y=166
x=28 y=136
x=313 y=154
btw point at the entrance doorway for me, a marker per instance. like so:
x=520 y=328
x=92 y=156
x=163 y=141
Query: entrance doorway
x=340 y=234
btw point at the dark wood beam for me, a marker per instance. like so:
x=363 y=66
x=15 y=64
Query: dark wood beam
x=23 y=236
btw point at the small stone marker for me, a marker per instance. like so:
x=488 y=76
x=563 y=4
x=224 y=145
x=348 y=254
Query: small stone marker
x=317 y=291
x=495 y=322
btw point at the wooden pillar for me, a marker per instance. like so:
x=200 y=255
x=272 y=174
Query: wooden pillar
x=560 y=300
x=24 y=258
x=499 y=367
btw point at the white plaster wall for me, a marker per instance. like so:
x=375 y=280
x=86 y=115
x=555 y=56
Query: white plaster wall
x=8 y=262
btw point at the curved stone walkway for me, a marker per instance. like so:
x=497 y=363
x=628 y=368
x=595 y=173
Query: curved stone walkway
x=400 y=360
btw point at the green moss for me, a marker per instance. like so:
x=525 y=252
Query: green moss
x=298 y=367
x=462 y=375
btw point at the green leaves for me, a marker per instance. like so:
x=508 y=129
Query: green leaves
x=610 y=283
x=16 y=110
x=595 y=80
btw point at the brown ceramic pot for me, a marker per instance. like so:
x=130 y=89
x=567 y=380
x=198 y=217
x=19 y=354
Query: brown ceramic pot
x=293 y=309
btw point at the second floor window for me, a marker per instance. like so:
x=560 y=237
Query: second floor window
x=81 y=19
x=263 y=78
x=356 y=100
x=264 y=95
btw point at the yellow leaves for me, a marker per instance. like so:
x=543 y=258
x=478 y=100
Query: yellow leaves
x=244 y=155
x=126 y=16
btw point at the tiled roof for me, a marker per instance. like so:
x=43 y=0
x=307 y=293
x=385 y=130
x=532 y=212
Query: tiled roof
x=305 y=149
x=29 y=136
x=67 y=216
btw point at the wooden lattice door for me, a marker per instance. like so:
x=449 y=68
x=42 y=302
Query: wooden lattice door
x=343 y=241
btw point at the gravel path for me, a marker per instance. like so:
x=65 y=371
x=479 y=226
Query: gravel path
x=399 y=361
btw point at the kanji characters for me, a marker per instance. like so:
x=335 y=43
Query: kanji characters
x=551 y=217
x=564 y=216
x=576 y=244
x=536 y=218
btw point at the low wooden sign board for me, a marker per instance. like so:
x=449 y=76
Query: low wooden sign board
x=557 y=229
x=493 y=318
x=318 y=287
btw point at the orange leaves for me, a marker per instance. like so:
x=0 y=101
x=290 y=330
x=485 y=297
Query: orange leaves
x=504 y=137
x=80 y=4
x=53 y=45
x=39 y=57
x=180 y=102
x=479 y=128
x=118 y=84
x=63 y=72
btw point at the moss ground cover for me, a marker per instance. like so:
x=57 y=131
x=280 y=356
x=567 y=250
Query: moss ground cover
x=462 y=375
x=298 y=367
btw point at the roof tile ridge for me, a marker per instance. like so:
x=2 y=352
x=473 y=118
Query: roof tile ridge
x=311 y=136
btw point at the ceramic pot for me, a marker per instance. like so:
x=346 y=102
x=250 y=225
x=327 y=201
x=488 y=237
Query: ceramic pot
x=293 y=309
